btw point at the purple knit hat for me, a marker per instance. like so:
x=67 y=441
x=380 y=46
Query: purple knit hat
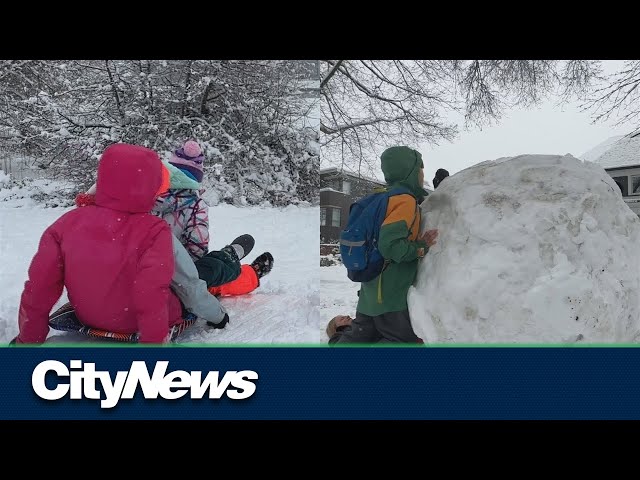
x=189 y=159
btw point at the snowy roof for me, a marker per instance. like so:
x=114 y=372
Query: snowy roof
x=351 y=174
x=327 y=189
x=428 y=187
x=593 y=154
x=615 y=152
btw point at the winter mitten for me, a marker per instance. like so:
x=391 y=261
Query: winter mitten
x=220 y=324
x=263 y=264
x=240 y=247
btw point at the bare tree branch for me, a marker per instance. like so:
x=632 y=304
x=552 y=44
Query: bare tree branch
x=372 y=104
x=333 y=70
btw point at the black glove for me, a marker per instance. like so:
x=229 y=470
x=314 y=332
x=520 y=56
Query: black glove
x=221 y=324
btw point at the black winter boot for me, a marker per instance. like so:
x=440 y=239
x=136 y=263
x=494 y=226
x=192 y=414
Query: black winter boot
x=240 y=247
x=263 y=264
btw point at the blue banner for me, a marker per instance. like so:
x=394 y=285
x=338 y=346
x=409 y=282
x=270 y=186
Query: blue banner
x=294 y=383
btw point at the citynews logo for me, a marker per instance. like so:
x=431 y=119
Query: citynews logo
x=83 y=379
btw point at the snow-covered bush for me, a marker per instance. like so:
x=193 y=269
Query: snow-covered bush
x=42 y=192
x=257 y=120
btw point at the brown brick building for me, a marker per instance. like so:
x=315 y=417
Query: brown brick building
x=338 y=190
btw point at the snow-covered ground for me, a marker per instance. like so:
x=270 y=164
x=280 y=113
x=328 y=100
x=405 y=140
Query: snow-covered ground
x=284 y=309
x=338 y=294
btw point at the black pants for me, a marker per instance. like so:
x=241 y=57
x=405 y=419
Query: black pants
x=392 y=327
x=217 y=268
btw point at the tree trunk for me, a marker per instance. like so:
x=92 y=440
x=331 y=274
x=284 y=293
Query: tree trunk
x=114 y=89
x=187 y=85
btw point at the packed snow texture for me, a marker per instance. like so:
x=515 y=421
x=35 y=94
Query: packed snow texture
x=531 y=249
x=284 y=308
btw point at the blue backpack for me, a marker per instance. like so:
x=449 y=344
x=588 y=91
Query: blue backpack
x=359 y=241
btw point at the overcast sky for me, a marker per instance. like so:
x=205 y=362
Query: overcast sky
x=546 y=129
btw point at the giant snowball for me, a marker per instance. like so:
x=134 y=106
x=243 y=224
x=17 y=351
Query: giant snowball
x=531 y=249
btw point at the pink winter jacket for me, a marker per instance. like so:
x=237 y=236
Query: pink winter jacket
x=114 y=258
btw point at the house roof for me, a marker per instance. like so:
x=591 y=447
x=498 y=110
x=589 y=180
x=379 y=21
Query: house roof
x=350 y=174
x=615 y=152
x=428 y=187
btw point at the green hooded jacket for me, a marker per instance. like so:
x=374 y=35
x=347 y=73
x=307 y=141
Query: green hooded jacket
x=398 y=242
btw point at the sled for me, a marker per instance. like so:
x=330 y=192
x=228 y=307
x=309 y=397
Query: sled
x=65 y=320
